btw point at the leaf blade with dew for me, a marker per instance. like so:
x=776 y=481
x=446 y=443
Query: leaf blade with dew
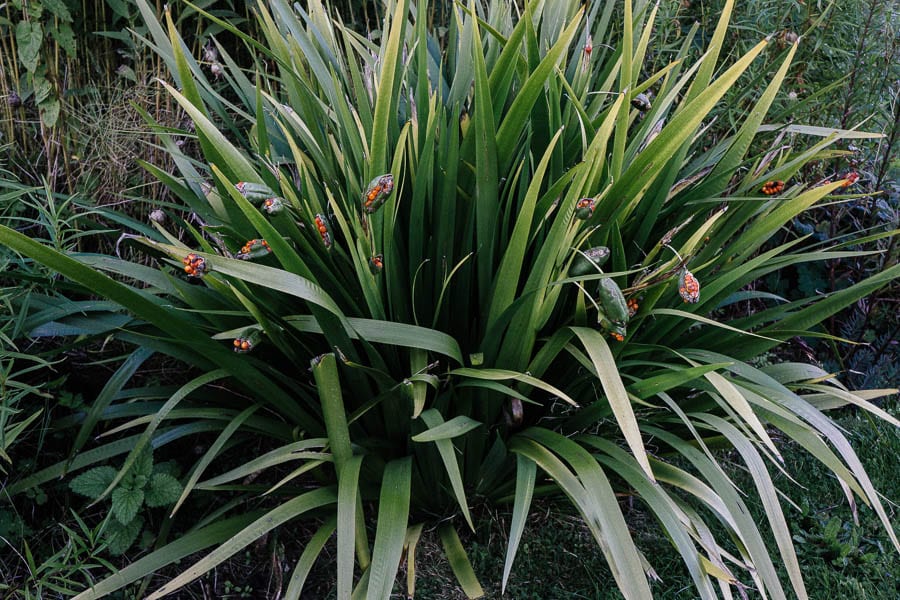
x=768 y=493
x=386 y=100
x=390 y=532
x=347 y=518
x=607 y=372
x=503 y=374
x=441 y=432
x=590 y=492
x=511 y=125
x=459 y=562
x=305 y=563
x=445 y=430
x=526 y=471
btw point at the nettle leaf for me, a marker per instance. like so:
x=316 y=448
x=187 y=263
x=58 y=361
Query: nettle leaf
x=28 y=40
x=119 y=7
x=92 y=483
x=49 y=113
x=58 y=9
x=170 y=467
x=143 y=464
x=35 y=9
x=164 y=489
x=65 y=37
x=120 y=537
x=126 y=503
x=42 y=89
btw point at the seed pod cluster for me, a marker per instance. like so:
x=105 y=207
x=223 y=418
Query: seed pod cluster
x=641 y=102
x=632 y=306
x=584 y=208
x=770 y=188
x=688 y=287
x=194 y=266
x=273 y=205
x=850 y=178
x=253 y=249
x=376 y=264
x=247 y=340
x=324 y=229
x=613 y=309
x=589 y=261
x=254 y=191
x=377 y=192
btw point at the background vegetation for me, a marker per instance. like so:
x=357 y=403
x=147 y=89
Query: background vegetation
x=73 y=178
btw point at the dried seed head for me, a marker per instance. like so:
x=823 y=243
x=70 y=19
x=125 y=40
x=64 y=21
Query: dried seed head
x=641 y=102
x=210 y=53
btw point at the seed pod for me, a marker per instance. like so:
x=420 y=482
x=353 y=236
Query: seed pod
x=323 y=227
x=588 y=49
x=632 y=307
x=850 y=178
x=377 y=193
x=589 y=261
x=254 y=249
x=273 y=205
x=612 y=301
x=770 y=188
x=376 y=264
x=513 y=412
x=688 y=287
x=195 y=266
x=247 y=340
x=254 y=191
x=641 y=102
x=584 y=208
